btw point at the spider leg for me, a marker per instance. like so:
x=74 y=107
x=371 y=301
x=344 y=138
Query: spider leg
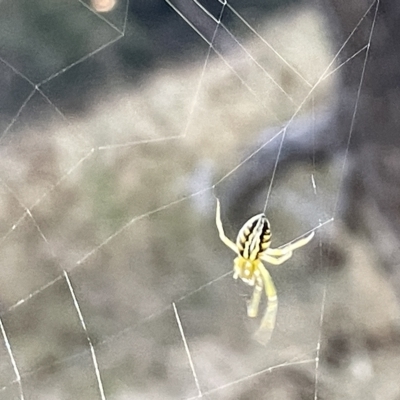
x=221 y=232
x=267 y=326
x=252 y=307
x=288 y=248
x=276 y=260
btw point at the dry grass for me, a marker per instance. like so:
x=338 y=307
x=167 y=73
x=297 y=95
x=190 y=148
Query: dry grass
x=94 y=213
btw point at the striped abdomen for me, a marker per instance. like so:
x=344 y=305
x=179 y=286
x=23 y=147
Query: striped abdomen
x=254 y=237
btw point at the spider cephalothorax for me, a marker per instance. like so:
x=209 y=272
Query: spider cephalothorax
x=252 y=247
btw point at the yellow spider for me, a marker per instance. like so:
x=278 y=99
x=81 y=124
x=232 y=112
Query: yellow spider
x=252 y=247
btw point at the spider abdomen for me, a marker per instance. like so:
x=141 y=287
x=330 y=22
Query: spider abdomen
x=254 y=237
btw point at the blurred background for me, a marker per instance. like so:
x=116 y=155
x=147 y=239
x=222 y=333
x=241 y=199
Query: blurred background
x=122 y=121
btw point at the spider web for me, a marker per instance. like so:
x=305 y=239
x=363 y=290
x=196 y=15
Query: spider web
x=119 y=295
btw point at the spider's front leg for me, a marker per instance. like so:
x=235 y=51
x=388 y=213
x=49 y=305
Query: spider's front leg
x=279 y=256
x=276 y=260
x=221 y=232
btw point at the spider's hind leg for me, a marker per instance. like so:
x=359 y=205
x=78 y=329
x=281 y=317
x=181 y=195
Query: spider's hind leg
x=264 y=332
x=252 y=307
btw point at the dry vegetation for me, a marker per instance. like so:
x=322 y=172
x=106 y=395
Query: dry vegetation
x=94 y=213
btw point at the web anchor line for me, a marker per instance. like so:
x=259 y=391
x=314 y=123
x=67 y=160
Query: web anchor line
x=12 y=359
x=178 y=320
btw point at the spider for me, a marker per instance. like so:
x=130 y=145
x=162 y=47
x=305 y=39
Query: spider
x=252 y=248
